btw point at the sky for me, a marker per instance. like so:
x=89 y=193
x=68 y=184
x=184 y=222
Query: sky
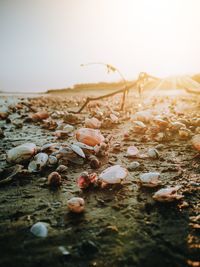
x=43 y=42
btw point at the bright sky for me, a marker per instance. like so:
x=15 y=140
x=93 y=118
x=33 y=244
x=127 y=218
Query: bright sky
x=43 y=42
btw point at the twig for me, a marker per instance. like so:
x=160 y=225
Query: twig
x=124 y=90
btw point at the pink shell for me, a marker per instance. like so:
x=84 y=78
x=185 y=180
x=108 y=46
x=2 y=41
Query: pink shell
x=89 y=137
x=132 y=151
x=93 y=123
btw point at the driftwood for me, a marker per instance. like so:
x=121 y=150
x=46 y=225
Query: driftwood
x=143 y=78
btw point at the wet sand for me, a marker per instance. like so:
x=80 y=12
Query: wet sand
x=122 y=225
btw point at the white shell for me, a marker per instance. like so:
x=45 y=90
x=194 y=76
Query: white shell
x=68 y=128
x=153 y=153
x=78 y=150
x=39 y=229
x=150 y=179
x=76 y=204
x=21 y=153
x=113 y=175
x=168 y=194
x=144 y=115
x=40 y=161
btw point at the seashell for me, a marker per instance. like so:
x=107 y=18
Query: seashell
x=114 y=118
x=196 y=142
x=138 y=127
x=84 y=146
x=160 y=122
x=78 y=150
x=133 y=165
x=61 y=169
x=153 y=153
x=113 y=175
x=92 y=123
x=132 y=151
x=21 y=153
x=39 y=229
x=3 y=115
x=89 y=137
x=86 y=179
x=52 y=160
x=54 y=179
x=48 y=147
x=39 y=162
x=39 y=116
x=144 y=116
x=68 y=128
x=150 y=179
x=176 y=125
x=168 y=194
x=76 y=204
x=64 y=251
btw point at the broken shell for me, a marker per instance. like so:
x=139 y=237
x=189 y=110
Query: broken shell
x=133 y=165
x=78 y=150
x=132 y=151
x=39 y=162
x=52 y=160
x=150 y=179
x=39 y=116
x=113 y=175
x=39 y=229
x=168 y=194
x=92 y=123
x=86 y=179
x=89 y=137
x=21 y=153
x=54 y=179
x=76 y=204
x=196 y=142
x=153 y=153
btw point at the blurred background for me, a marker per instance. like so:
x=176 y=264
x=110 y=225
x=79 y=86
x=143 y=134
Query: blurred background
x=43 y=42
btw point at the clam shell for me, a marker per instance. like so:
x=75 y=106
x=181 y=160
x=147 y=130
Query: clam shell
x=76 y=204
x=78 y=150
x=89 y=137
x=39 y=229
x=168 y=194
x=153 y=153
x=150 y=179
x=39 y=162
x=21 y=153
x=114 y=174
x=132 y=151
